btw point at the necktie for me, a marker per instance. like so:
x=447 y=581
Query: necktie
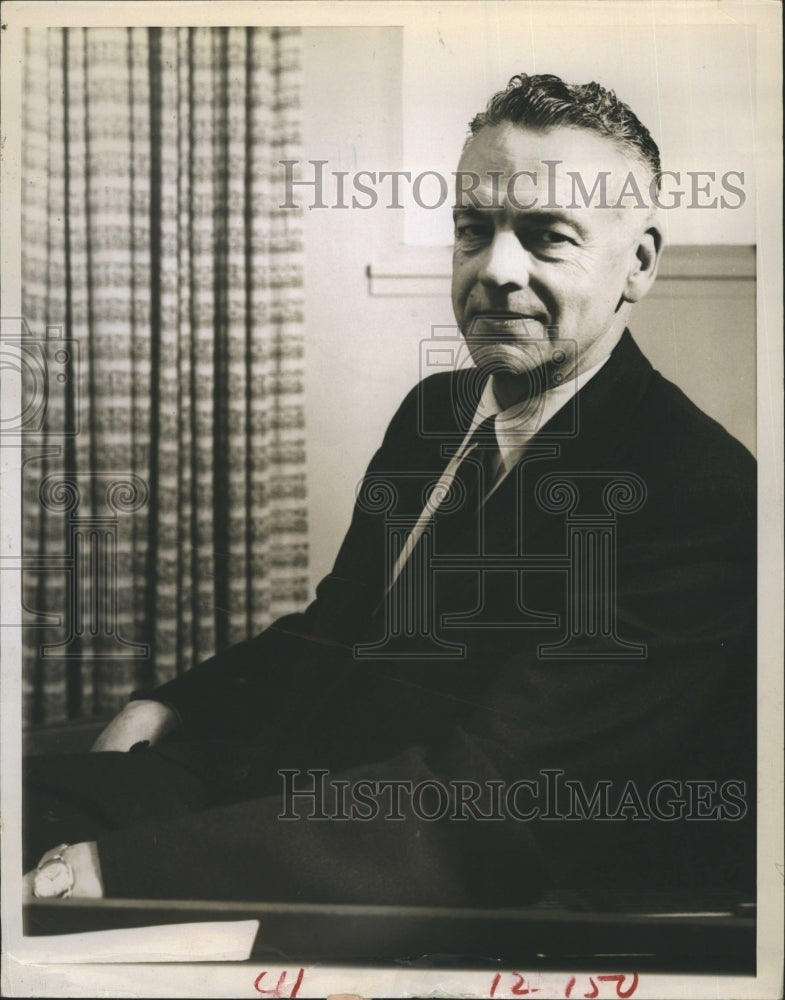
x=458 y=515
x=453 y=510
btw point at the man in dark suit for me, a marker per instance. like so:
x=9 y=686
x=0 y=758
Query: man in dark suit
x=533 y=662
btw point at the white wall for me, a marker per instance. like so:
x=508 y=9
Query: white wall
x=693 y=89
x=361 y=351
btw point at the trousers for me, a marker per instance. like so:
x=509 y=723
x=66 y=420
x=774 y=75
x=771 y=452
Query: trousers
x=70 y=798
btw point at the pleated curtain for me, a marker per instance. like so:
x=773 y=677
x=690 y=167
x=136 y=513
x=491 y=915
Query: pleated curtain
x=164 y=507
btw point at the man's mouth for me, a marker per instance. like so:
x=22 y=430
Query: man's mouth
x=526 y=324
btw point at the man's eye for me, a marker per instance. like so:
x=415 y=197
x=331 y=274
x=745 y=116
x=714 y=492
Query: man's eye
x=471 y=231
x=551 y=237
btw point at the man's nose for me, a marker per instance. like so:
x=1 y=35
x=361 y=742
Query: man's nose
x=506 y=262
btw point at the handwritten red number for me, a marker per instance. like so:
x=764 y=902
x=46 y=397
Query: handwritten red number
x=276 y=991
x=297 y=983
x=622 y=994
x=519 y=989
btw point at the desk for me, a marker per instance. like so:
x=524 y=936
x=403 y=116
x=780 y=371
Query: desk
x=558 y=933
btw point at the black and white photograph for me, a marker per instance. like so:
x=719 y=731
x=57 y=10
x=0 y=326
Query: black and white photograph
x=391 y=455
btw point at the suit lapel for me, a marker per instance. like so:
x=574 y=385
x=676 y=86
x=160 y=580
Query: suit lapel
x=605 y=412
x=594 y=438
x=594 y=434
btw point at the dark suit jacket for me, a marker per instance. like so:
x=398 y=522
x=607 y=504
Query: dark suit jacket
x=676 y=705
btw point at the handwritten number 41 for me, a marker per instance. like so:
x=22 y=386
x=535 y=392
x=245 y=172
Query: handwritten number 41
x=278 y=989
x=520 y=989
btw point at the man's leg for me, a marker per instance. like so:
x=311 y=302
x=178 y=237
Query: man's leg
x=74 y=797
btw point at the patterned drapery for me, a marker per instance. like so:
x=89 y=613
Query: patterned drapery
x=164 y=499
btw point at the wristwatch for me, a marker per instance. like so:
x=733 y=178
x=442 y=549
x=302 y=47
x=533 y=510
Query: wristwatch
x=54 y=877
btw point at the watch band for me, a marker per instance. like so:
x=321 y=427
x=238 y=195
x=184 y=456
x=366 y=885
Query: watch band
x=54 y=876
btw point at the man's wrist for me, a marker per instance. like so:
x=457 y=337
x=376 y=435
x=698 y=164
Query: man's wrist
x=166 y=716
x=84 y=861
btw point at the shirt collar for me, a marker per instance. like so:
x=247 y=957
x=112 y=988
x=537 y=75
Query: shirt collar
x=517 y=424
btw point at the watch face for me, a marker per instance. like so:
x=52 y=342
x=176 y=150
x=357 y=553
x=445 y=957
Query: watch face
x=53 y=879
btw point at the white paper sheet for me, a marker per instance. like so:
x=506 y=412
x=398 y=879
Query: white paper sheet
x=217 y=941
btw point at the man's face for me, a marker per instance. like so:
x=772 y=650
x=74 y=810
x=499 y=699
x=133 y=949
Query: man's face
x=520 y=271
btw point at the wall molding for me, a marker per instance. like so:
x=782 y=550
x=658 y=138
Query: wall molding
x=426 y=271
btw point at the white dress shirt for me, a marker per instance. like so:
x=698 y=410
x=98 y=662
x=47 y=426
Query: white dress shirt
x=514 y=427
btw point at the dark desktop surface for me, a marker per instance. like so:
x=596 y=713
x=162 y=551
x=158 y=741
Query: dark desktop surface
x=670 y=931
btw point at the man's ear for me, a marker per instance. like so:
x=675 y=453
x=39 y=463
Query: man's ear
x=645 y=263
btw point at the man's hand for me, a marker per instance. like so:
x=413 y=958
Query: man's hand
x=139 y=720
